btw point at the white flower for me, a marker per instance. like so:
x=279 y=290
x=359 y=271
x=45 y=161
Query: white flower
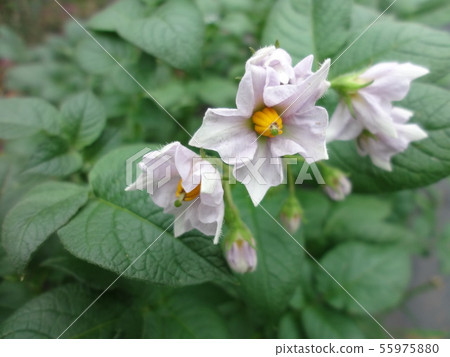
x=275 y=116
x=382 y=147
x=241 y=255
x=186 y=186
x=368 y=97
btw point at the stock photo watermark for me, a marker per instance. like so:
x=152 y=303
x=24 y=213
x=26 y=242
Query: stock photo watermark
x=151 y=170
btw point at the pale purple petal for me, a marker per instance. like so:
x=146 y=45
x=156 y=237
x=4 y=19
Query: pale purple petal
x=260 y=173
x=165 y=196
x=340 y=190
x=382 y=148
x=303 y=134
x=276 y=59
x=184 y=218
x=411 y=132
x=379 y=153
x=401 y=115
x=342 y=125
x=290 y=99
x=241 y=257
x=392 y=80
x=227 y=132
x=162 y=171
x=249 y=97
x=211 y=191
x=303 y=69
x=374 y=115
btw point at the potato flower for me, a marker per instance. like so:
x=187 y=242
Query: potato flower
x=186 y=186
x=275 y=116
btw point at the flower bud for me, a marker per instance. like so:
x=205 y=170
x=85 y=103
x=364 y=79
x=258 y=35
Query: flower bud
x=291 y=214
x=338 y=186
x=240 y=251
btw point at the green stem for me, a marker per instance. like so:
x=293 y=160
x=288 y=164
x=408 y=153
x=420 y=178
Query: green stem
x=231 y=210
x=299 y=158
x=291 y=180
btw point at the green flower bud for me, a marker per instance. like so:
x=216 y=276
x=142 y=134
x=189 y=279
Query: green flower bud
x=291 y=214
x=337 y=184
x=240 y=250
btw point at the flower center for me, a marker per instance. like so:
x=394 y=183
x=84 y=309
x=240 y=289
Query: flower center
x=268 y=122
x=182 y=195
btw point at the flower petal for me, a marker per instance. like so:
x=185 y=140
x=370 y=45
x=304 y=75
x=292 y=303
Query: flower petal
x=379 y=153
x=228 y=133
x=401 y=115
x=275 y=59
x=392 y=80
x=289 y=99
x=260 y=173
x=303 y=69
x=211 y=191
x=382 y=148
x=249 y=97
x=342 y=125
x=374 y=115
x=303 y=134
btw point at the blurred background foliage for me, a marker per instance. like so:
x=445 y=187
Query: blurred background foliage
x=44 y=54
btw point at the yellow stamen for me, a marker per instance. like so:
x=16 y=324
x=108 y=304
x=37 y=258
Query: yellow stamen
x=268 y=122
x=186 y=196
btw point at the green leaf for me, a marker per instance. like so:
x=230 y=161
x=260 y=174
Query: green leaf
x=388 y=40
x=316 y=207
x=174 y=33
x=48 y=315
x=430 y=12
x=376 y=276
x=288 y=327
x=290 y=24
x=21 y=117
x=83 y=119
x=363 y=218
x=184 y=315
x=423 y=163
x=270 y=288
x=117 y=226
x=331 y=23
x=12 y=46
x=322 y=28
x=48 y=79
x=13 y=185
x=13 y=294
x=37 y=215
x=217 y=91
x=322 y=322
x=109 y=18
x=87 y=274
x=53 y=157
x=305 y=27
x=93 y=59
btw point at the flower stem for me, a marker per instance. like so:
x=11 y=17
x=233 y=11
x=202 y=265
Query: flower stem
x=291 y=180
x=231 y=210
